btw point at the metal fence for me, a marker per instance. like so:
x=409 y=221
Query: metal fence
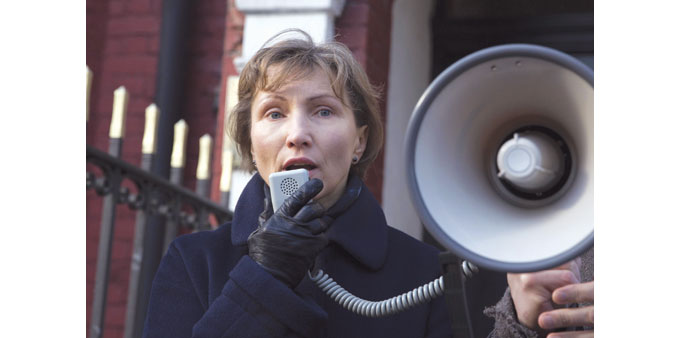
x=156 y=200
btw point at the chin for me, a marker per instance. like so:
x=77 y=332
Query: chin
x=324 y=195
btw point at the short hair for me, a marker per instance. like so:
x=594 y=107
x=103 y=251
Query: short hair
x=292 y=59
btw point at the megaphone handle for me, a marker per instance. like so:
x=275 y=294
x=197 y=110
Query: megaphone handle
x=455 y=272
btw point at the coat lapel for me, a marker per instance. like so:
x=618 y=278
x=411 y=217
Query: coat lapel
x=361 y=230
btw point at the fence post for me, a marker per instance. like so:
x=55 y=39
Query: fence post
x=203 y=160
x=203 y=178
x=145 y=253
x=177 y=170
x=117 y=130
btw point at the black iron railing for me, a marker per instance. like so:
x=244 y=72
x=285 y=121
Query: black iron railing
x=151 y=197
x=163 y=206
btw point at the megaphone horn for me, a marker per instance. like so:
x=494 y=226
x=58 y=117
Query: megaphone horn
x=499 y=158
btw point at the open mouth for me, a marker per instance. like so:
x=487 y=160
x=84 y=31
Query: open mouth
x=307 y=167
x=299 y=163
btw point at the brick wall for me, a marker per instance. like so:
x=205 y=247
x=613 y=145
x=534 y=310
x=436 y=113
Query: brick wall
x=203 y=78
x=123 y=49
x=365 y=27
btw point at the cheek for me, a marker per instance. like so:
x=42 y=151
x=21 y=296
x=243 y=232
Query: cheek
x=340 y=151
x=262 y=145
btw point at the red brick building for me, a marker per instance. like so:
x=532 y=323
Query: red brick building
x=401 y=44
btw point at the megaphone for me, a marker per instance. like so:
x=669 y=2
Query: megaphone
x=499 y=158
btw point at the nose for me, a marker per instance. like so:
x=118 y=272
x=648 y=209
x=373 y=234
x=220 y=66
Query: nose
x=299 y=131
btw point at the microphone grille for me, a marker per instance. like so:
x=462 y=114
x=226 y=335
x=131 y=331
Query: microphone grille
x=289 y=185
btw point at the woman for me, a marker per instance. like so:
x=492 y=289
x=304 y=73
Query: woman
x=308 y=106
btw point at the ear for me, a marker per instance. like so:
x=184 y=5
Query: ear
x=361 y=141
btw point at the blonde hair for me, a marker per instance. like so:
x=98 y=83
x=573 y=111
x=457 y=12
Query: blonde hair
x=293 y=59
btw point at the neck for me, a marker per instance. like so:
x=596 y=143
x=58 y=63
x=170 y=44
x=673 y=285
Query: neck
x=349 y=194
x=328 y=201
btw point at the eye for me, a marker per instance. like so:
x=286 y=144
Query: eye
x=275 y=115
x=324 y=112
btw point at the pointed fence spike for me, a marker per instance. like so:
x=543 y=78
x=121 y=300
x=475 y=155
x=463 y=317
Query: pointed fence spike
x=179 y=141
x=89 y=78
x=120 y=99
x=151 y=119
x=205 y=143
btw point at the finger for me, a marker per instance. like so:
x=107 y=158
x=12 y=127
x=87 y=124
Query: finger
x=309 y=212
x=559 y=318
x=572 y=334
x=573 y=265
x=543 y=280
x=316 y=226
x=301 y=197
x=575 y=293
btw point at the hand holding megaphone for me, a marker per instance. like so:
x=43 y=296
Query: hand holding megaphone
x=540 y=298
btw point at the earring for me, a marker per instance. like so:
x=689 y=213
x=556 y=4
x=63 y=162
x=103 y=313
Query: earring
x=355 y=159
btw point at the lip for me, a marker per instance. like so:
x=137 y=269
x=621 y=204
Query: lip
x=299 y=160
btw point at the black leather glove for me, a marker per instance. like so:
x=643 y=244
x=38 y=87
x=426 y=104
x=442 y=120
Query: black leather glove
x=287 y=242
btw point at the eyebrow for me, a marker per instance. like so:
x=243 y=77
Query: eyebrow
x=322 y=97
x=274 y=96
x=314 y=98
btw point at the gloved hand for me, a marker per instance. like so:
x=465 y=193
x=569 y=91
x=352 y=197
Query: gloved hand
x=287 y=242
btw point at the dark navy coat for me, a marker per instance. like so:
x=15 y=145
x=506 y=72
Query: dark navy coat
x=207 y=286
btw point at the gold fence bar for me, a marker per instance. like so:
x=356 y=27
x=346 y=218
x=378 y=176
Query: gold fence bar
x=151 y=119
x=205 y=143
x=145 y=253
x=180 y=131
x=203 y=179
x=117 y=130
x=89 y=77
x=120 y=100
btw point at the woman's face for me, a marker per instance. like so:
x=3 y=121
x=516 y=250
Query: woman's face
x=303 y=124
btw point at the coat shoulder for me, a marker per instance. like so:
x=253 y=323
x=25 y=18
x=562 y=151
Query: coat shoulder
x=206 y=245
x=416 y=253
x=402 y=240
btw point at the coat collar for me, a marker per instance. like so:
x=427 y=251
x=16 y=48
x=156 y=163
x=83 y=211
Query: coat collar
x=361 y=230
